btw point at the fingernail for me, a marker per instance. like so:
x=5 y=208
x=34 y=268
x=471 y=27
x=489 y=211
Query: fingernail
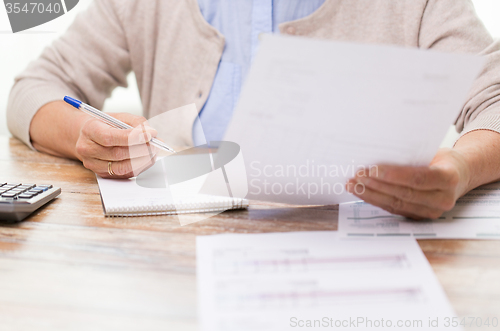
x=151 y=130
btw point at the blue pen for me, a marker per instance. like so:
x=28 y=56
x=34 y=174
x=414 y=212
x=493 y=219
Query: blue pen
x=111 y=120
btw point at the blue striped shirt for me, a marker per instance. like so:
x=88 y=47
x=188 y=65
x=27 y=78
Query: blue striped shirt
x=241 y=22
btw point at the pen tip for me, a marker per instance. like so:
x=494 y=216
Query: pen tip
x=75 y=103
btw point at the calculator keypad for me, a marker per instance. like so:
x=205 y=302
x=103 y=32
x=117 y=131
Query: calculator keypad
x=21 y=191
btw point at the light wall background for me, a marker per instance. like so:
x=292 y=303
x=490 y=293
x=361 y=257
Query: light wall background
x=17 y=50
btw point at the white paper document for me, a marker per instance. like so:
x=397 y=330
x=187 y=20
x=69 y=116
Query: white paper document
x=286 y=281
x=312 y=112
x=475 y=216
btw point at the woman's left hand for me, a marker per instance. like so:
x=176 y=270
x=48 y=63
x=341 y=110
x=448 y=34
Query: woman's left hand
x=415 y=192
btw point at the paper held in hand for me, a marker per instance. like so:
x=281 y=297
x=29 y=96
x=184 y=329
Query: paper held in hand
x=313 y=112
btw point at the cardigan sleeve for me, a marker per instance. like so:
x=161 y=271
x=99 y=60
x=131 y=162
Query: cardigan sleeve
x=87 y=62
x=453 y=26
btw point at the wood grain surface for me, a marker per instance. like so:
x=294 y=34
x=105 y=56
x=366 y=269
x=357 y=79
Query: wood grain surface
x=67 y=267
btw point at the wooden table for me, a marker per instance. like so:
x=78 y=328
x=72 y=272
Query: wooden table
x=69 y=267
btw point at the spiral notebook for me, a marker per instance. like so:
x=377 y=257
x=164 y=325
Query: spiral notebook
x=124 y=197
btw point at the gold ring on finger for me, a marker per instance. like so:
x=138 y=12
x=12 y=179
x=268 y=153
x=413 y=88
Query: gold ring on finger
x=110 y=171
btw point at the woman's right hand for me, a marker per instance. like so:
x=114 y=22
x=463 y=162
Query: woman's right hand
x=128 y=151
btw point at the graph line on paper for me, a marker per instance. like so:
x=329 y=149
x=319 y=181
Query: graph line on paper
x=251 y=262
x=244 y=296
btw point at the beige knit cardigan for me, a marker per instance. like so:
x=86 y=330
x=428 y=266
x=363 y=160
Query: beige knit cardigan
x=174 y=54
